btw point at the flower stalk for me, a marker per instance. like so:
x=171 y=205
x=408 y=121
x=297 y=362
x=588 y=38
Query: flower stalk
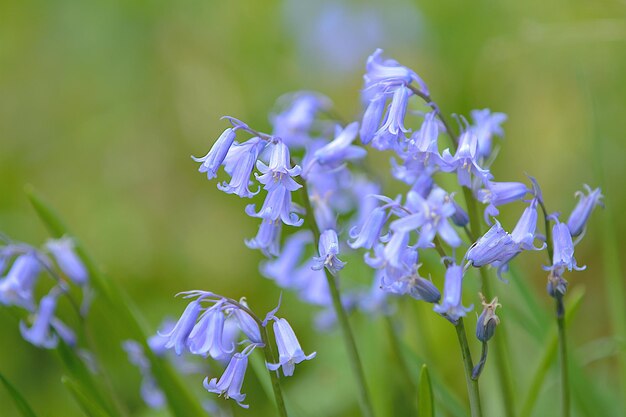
x=472 y=385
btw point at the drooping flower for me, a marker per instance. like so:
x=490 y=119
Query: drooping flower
x=63 y=252
x=229 y=384
x=277 y=178
x=248 y=325
x=580 y=215
x=289 y=351
x=563 y=249
x=239 y=163
x=499 y=193
x=179 y=335
x=328 y=251
x=372 y=119
x=212 y=161
x=494 y=246
x=40 y=333
x=452 y=306
x=206 y=337
x=464 y=161
x=384 y=73
x=17 y=287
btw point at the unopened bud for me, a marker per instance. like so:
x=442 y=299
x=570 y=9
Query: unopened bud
x=488 y=320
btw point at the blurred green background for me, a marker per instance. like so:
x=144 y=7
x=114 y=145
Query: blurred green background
x=103 y=102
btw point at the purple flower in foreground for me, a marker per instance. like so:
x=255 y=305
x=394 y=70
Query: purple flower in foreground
x=229 y=384
x=464 y=161
x=498 y=193
x=279 y=183
x=239 y=163
x=452 y=306
x=40 y=333
x=494 y=246
x=580 y=215
x=179 y=335
x=563 y=249
x=384 y=73
x=328 y=250
x=206 y=337
x=63 y=252
x=289 y=351
x=211 y=161
x=371 y=119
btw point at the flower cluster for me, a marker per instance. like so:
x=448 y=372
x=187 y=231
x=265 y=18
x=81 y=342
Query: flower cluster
x=346 y=209
x=224 y=330
x=20 y=268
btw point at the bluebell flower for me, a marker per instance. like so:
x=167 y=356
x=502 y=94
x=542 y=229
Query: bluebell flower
x=382 y=74
x=368 y=234
x=63 y=252
x=464 y=161
x=179 y=335
x=392 y=130
x=206 y=337
x=63 y=331
x=328 y=250
x=460 y=216
x=341 y=148
x=40 y=333
x=229 y=384
x=277 y=178
x=412 y=284
x=289 y=351
x=239 y=163
x=212 y=161
x=563 y=249
x=422 y=149
x=524 y=232
x=452 y=306
x=485 y=125
x=248 y=325
x=267 y=239
x=281 y=269
x=494 y=246
x=430 y=216
x=17 y=287
x=580 y=215
x=499 y=193
x=372 y=119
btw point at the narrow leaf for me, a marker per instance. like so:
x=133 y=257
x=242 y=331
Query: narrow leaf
x=425 y=400
x=21 y=404
x=89 y=407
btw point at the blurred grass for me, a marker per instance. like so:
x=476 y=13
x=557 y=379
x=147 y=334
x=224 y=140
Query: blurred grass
x=101 y=104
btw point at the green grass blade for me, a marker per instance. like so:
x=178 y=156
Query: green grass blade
x=22 y=405
x=549 y=355
x=122 y=310
x=446 y=398
x=426 y=402
x=89 y=407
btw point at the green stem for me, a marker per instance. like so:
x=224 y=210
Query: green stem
x=270 y=358
x=342 y=317
x=560 y=320
x=500 y=342
x=472 y=385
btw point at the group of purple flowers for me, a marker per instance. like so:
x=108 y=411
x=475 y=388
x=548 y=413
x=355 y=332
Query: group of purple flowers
x=310 y=153
x=21 y=266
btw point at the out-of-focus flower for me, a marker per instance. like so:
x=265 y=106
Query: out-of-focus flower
x=63 y=252
x=580 y=215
